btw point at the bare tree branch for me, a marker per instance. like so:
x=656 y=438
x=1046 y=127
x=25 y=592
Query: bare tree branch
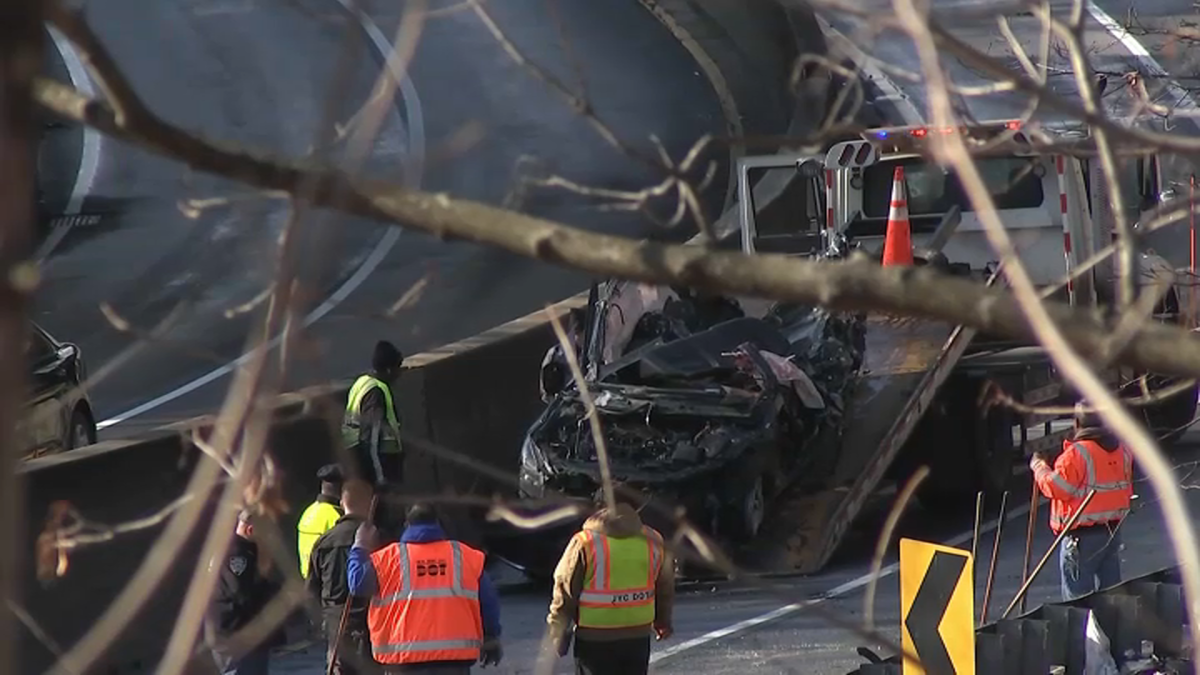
x=20 y=58
x=849 y=285
x=885 y=537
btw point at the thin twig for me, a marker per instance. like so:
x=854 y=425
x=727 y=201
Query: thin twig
x=593 y=414
x=885 y=538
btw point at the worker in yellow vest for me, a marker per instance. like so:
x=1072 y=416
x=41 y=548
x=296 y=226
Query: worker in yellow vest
x=321 y=515
x=371 y=424
x=615 y=586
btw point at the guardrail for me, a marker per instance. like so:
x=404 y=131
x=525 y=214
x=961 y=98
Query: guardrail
x=1141 y=617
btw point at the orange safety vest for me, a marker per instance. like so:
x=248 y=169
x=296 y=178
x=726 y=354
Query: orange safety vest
x=620 y=579
x=1108 y=473
x=427 y=606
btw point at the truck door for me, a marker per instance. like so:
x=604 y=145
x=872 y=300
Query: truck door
x=781 y=204
x=1149 y=182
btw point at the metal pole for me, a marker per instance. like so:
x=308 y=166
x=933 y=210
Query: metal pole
x=1192 y=248
x=975 y=536
x=1042 y=563
x=1033 y=510
x=987 y=590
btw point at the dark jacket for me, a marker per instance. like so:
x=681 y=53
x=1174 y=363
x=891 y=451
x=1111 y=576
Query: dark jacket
x=242 y=592
x=372 y=411
x=327 y=580
x=360 y=573
x=373 y=427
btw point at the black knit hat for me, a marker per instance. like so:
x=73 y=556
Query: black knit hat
x=386 y=356
x=421 y=514
x=331 y=473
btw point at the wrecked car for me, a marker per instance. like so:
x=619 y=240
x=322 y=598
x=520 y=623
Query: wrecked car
x=705 y=402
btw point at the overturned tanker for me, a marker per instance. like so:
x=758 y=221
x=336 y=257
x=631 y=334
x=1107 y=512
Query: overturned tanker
x=704 y=402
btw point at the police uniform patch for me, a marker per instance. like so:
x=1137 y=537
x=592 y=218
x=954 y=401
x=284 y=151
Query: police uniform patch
x=237 y=565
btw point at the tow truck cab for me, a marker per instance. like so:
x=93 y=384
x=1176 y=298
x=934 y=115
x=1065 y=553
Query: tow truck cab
x=848 y=189
x=1056 y=210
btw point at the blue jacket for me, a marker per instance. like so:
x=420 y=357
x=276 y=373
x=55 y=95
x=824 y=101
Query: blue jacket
x=360 y=576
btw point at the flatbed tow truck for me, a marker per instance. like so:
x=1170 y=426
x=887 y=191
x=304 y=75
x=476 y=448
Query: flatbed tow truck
x=919 y=397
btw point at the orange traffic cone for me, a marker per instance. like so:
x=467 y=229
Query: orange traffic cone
x=897 y=245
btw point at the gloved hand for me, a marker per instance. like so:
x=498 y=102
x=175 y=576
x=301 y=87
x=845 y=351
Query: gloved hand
x=491 y=653
x=366 y=536
x=1040 y=456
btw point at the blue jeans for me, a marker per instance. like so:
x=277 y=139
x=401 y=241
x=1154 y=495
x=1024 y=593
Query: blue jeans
x=1089 y=560
x=251 y=663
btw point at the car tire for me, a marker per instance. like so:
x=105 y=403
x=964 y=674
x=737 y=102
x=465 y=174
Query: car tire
x=744 y=513
x=81 y=428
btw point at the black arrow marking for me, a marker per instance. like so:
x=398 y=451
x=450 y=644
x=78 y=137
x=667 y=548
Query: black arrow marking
x=929 y=607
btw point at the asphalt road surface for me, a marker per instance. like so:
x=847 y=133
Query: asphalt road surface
x=774 y=627
x=260 y=72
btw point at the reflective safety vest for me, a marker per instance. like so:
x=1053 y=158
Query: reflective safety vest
x=1108 y=473
x=619 y=583
x=427 y=606
x=351 y=422
x=316 y=520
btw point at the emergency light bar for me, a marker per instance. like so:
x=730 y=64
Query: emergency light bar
x=909 y=138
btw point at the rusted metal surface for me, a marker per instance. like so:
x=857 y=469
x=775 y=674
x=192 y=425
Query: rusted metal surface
x=906 y=362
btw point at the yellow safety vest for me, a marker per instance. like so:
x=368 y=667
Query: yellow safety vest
x=316 y=520
x=618 y=586
x=351 y=422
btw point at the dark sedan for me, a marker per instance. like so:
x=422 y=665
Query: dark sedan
x=59 y=415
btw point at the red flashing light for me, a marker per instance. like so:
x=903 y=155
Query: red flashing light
x=947 y=130
x=1014 y=125
x=920 y=133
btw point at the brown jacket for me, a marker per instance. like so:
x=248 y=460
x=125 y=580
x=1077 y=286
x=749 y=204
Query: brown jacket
x=571 y=571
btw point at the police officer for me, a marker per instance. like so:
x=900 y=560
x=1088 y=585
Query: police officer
x=1093 y=459
x=327 y=585
x=320 y=515
x=433 y=607
x=243 y=590
x=616 y=583
x=371 y=423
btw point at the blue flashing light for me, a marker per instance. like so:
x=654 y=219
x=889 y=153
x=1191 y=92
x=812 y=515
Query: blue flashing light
x=881 y=133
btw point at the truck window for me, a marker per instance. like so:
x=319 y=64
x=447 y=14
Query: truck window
x=1013 y=182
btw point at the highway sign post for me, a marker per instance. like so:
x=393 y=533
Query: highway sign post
x=937 y=601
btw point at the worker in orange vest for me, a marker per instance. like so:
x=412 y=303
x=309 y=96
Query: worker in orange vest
x=1093 y=459
x=433 y=607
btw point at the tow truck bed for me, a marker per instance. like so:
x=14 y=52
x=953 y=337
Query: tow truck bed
x=905 y=362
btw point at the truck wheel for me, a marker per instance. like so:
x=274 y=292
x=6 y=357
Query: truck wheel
x=995 y=450
x=966 y=454
x=744 y=503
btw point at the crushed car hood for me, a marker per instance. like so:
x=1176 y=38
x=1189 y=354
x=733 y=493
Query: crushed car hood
x=678 y=403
